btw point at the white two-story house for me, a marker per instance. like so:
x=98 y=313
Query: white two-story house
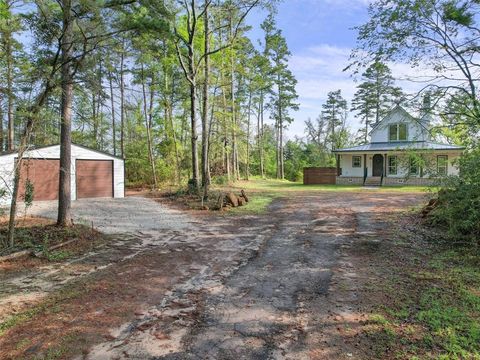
x=401 y=152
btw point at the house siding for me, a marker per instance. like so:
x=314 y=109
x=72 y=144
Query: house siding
x=7 y=163
x=346 y=162
x=415 y=130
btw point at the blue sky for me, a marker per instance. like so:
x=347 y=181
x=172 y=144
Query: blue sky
x=320 y=36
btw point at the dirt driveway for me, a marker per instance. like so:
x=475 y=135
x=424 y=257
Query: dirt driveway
x=252 y=287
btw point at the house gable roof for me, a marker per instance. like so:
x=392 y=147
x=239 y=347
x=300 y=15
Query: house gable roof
x=404 y=112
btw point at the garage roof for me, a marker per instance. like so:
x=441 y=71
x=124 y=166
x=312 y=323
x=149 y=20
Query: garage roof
x=34 y=147
x=400 y=145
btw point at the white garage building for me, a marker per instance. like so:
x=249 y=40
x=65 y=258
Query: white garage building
x=93 y=173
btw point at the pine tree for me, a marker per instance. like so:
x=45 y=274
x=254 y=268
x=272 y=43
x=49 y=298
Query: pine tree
x=335 y=115
x=375 y=96
x=283 y=95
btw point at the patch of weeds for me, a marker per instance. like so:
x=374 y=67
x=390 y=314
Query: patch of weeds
x=446 y=294
x=424 y=275
x=452 y=321
x=22 y=344
x=378 y=319
x=51 y=305
x=61 y=350
x=258 y=204
x=383 y=336
x=57 y=255
x=18 y=319
x=402 y=313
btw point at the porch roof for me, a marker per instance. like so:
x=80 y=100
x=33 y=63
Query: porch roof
x=400 y=145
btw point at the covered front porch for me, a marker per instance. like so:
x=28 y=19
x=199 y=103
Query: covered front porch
x=375 y=168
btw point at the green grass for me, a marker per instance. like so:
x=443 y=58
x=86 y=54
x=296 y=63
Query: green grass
x=445 y=304
x=285 y=185
x=51 y=305
x=257 y=205
x=263 y=192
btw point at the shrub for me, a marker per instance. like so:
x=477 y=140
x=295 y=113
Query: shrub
x=459 y=201
x=220 y=180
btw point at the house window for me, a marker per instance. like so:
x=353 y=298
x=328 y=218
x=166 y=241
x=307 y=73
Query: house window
x=442 y=165
x=392 y=165
x=397 y=132
x=356 y=161
x=413 y=167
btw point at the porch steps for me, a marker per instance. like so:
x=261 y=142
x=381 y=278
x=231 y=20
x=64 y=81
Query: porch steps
x=373 y=181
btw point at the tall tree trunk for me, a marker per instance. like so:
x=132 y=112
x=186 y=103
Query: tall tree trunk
x=225 y=141
x=112 y=105
x=234 y=119
x=277 y=149
x=169 y=115
x=122 y=101
x=282 y=165
x=205 y=127
x=64 y=192
x=194 y=135
x=10 y=92
x=260 y=134
x=247 y=170
x=94 y=117
x=1 y=126
x=148 y=126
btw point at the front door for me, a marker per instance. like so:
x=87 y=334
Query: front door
x=377 y=165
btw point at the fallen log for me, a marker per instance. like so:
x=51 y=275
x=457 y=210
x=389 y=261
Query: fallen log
x=16 y=255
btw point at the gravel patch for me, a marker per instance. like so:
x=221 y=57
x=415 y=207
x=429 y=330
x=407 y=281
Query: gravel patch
x=113 y=216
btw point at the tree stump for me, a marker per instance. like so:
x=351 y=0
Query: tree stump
x=241 y=201
x=244 y=195
x=220 y=202
x=232 y=199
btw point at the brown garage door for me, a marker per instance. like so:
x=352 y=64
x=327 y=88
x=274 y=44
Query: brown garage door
x=43 y=174
x=94 y=178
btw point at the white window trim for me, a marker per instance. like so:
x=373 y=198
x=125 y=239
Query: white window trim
x=396 y=164
x=446 y=164
x=398 y=131
x=353 y=161
x=410 y=168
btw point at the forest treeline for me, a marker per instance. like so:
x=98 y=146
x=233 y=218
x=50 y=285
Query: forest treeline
x=181 y=90
x=175 y=87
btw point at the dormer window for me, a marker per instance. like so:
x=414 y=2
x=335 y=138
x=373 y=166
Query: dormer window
x=397 y=132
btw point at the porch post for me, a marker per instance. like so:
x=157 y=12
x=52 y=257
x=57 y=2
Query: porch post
x=364 y=166
x=385 y=166
x=338 y=164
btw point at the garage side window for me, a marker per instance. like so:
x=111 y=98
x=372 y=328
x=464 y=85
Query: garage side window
x=356 y=161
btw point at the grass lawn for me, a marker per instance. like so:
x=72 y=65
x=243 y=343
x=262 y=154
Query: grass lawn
x=285 y=185
x=263 y=192
x=427 y=296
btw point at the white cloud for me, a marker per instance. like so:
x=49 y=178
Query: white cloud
x=319 y=70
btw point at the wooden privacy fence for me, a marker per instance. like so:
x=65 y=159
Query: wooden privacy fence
x=319 y=175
